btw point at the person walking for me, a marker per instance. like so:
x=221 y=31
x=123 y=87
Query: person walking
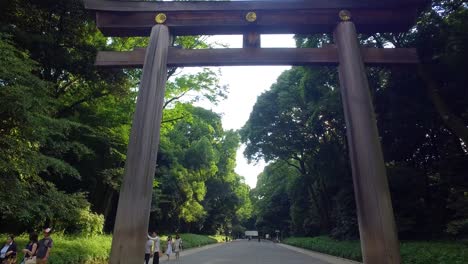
x=156 y=252
x=177 y=246
x=30 y=249
x=169 y=248
x=44 y=247
x=148 y=249
x=8 y=251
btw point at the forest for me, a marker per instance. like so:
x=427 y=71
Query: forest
x=422 y=116
x=65 y=127
x=65 y=130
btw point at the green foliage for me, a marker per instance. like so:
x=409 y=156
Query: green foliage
x=299 y=125
x=75 y=249
x=411 y=252
x=323 y=244
x=66 y=124
x=458 y=227
x=193 y=240
x=422 y=120
x=198 y=188
x=89 y=223
x=96 y=249
x=49 y=113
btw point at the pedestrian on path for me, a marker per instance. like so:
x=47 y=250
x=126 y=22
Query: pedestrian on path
x=149 y=249
x=169 y=247
x=44 y=247
x=177 y=246
x=156 y=252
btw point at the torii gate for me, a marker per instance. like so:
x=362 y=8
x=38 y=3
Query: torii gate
x=377 y=229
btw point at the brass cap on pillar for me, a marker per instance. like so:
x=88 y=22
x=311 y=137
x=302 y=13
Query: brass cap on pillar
x=345 y=15
x=251 y=17
x=160 y=18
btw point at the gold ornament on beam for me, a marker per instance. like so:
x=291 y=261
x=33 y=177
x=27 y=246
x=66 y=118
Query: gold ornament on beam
x=251 y=17
x=345 y=15
x=160 y=18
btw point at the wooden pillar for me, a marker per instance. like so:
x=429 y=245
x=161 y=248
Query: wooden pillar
x=251 y=40
x=379 y=241
x=131 y=225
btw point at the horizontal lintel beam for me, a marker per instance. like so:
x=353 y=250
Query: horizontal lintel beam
x=133 y=18
x=256 y=56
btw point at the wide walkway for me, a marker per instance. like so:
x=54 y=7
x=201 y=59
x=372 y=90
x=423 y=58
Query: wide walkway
x=247 y=252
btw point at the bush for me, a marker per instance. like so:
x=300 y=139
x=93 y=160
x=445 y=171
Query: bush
x=458 y=228
x=75 y=249
x=412 y=252
x=96 y=249
x=344 y=249
x=193 y=240
x=89 y=223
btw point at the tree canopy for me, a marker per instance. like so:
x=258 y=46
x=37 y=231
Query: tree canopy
x=422 y=118
x=66 y=123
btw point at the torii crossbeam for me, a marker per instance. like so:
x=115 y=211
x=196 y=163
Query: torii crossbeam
x=344 y=18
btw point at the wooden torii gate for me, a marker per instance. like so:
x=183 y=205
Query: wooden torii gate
x=344 y=18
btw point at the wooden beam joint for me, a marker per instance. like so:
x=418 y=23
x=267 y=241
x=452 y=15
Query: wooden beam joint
x=251 y=40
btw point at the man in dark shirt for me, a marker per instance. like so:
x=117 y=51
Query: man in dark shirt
x=8 y=252
x=44 y=246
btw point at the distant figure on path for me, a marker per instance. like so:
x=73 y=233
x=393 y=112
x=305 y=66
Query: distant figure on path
x=30 y=249
x=177 y=246
x=156 y=248
x=44 y=247
x=8 y=251
x=169 y=247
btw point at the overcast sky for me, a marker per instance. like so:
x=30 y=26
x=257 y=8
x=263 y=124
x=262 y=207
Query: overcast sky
x=245 y=84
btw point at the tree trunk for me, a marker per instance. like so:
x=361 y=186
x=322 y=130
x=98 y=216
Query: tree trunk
x=451 y=121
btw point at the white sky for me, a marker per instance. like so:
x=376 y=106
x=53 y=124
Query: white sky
x=245 y=84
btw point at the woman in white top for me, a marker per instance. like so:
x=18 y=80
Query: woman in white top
x=155 y=252
x=169 y=247
x=177 y=246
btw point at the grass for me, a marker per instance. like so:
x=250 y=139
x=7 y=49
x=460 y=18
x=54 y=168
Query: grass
x=412 y=252
x=96 y=249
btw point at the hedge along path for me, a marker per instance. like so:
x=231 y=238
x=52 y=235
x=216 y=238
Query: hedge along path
x=96 y=249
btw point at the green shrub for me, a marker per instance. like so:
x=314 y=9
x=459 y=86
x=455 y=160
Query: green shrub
x=89 y=223
x=193 y=240
x=74 y=249
x=458 y=227
x=412 y=252
x=96 y=249
x=344 y=249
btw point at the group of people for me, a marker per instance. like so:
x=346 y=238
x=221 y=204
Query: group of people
x=35 y=252
x=153 y=248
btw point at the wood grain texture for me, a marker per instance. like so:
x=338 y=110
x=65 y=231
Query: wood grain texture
x=377 y=229
x=251 y=40
x=118 y=18
x=131 y=224
x=255 y=56
x=142 y=6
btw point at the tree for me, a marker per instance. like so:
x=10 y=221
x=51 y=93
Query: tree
x=28 y=200
x=421 y=117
